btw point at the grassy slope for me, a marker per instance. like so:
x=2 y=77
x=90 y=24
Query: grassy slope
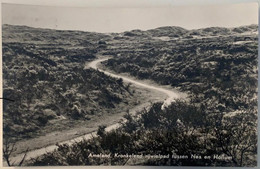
x=44 y=73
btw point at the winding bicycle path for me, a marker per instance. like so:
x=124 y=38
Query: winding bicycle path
x=171 y=93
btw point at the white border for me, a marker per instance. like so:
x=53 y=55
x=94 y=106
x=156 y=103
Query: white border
x=119 y=3
x=123 y=3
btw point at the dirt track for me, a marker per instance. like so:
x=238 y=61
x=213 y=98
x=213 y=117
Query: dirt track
x=69 y=137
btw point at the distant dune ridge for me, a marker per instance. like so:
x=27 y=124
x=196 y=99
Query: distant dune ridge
x=171 y=31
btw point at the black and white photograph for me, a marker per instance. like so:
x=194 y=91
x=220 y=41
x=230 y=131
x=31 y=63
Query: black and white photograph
x=172 y=85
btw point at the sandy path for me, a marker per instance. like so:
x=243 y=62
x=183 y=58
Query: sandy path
x=172 y=94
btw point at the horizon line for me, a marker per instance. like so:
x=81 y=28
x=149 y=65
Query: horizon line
x=80 y=30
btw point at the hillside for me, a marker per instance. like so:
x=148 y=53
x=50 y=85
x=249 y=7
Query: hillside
x=229 y=57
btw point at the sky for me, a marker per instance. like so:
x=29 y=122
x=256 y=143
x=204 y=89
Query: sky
x=118 y=19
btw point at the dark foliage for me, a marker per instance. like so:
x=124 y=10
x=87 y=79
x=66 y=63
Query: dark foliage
x=217 y=67
x=47 y=79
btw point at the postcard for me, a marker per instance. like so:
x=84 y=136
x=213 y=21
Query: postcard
x=130 y=86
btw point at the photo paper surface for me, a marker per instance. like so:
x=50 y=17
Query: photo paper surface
x=156 y=86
